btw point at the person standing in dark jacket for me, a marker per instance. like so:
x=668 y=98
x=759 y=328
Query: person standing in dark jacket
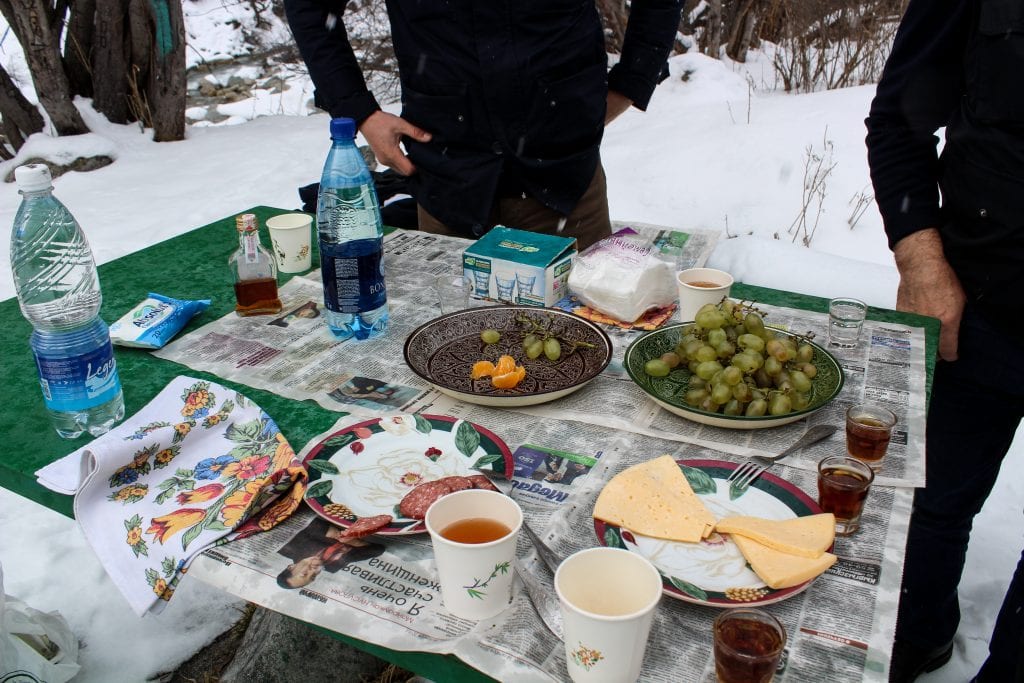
x=504 y=104
x=958 y=64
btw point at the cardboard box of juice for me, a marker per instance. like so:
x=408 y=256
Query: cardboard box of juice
x=519 y=267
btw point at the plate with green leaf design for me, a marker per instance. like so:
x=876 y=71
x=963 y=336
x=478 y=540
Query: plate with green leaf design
x=366 y=469
x=714 y=572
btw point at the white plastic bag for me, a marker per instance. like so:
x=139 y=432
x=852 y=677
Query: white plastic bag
x=623 y=277
x=34 y=646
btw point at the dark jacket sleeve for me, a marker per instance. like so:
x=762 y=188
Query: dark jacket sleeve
x=320 y=34
x=921 y=86
x=650 y=32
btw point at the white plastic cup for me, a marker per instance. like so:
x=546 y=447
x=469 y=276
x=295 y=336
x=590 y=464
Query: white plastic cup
x=475 y=578
x=453 y=292
x=291 y=240
x=699 y=286
x=607 y=597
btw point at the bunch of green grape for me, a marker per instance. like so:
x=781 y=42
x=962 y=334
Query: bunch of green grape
x=738 y=366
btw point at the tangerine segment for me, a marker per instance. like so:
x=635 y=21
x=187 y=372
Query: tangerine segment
x=509 y=380
x=506 y=364
x=482 y=368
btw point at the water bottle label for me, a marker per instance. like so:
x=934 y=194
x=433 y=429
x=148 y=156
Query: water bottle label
x=79 y=382
x=353 y=282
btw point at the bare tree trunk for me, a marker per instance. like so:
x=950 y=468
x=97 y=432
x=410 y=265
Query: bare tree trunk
x=78 y=47
x=20 y=117
x=40 y=40
x=742 y=31
x=614 y=16
x=714 y=29
x=167 y=73
x=109 y=67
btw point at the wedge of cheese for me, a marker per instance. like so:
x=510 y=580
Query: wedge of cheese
x=654 y=499
x=808 y=536
x=778 y=569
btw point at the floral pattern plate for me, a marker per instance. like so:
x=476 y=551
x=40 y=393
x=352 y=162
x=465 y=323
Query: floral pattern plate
x=443 y=352
x=366 y=469
x=668 y=391
x=714 y=572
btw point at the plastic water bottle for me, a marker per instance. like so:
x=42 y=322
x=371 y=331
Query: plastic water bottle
x=351 y=240
x=59 y=293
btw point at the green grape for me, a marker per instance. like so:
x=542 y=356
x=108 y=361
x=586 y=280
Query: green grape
x=754 y=323
x=535 y=349
x=762 y=378
x=708 y=405
x=490 y=336
x=774 y=347
x=742 y=392
x=707 y=369
x=726 y=350
x=716 y=337
x=552 y=348
x=733 y=407
x=691 y=348
x=800 y=381
x=694 y=396
x=731 y=333
x=656 y=367
x=750 y=342
x=772 y=366
x=732 y=375
x=757 y=394
x=696 y=382
x=710 y=319
x=671 y=359
x=810 y=369
x=805 y=353
x=721 y=393
x=716 y=378
x=528 y=340
x=779 y=404
x=745 y=362
x=801 y=400
x=705 y=353
x=692 y=366
x=756 y=408
x=727 y=306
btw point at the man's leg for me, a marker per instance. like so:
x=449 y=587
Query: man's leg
x=1005 y=662
x=977 y=403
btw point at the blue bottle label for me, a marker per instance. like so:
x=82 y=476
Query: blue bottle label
x=353 y=274
x=79 y=382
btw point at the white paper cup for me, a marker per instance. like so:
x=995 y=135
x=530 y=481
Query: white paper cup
x=290 y=239
x=475 y=578
x=607 y=596
x=699 y=286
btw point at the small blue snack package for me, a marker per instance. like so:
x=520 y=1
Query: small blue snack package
x=153 y=322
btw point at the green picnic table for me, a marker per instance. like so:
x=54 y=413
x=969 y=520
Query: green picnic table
x=194 y=266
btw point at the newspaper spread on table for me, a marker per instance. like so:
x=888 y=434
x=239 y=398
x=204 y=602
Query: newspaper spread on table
x=840 y=628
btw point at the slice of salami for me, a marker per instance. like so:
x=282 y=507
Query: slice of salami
x=482 y=482
x=415 y=503
x=457 y=483
x=364 y=526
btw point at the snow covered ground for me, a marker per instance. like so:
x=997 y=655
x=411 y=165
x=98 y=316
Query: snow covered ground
x=718 y=149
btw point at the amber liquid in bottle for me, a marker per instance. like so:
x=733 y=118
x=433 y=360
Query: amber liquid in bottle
x=254 y=272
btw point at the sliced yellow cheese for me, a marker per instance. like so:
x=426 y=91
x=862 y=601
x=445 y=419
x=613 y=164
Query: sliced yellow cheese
x=808 y=536
x=654 y=499
x=778 y=569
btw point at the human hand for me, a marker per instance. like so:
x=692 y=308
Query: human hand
x=929 y=286
x=617 y=103
x=383 y=132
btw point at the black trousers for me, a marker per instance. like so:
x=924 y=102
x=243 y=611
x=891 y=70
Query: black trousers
x=976 y=406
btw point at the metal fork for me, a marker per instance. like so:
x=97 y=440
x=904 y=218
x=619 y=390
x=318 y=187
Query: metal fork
x=744 y=475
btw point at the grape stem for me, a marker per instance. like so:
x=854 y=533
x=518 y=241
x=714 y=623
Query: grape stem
x=547 y=330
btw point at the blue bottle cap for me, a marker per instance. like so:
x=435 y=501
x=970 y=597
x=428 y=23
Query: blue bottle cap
x=343 y=128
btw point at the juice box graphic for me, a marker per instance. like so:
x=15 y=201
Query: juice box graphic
x=519 y=267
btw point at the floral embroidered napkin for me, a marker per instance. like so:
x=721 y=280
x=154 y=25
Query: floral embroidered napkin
x=190 y=470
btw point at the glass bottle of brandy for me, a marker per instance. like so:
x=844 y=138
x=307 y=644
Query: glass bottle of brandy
x=254 y=271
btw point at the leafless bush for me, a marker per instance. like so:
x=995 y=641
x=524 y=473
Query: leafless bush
x=818 y=166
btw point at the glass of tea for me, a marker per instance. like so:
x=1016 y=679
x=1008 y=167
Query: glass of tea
x=843 y=485
x=699 y=286
x=748 y=645
x=607 y=598
x=474 y=533
x=868 y=430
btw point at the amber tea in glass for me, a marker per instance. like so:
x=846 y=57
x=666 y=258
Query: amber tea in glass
x=868 y=430
x=843 y=485
x=748 y=644
x=475 y=530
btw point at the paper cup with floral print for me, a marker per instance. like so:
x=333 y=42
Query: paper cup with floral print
x=291 y=240
x=608 y=597
x=475 y=577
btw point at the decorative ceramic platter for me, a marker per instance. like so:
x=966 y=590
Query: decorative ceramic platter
x=714 y=572
x=366 y=469
x=668 y=391
x=443 y=352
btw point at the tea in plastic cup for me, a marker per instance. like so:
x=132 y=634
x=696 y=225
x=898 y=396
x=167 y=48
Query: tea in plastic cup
x=291 y=239
x=474 y=537
x=845 y=321
x=748 y=645
x=607 y=598
x=843 y=485
x=699 y=286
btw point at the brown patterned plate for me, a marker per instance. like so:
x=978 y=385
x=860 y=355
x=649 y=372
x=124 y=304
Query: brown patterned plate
x=443 y=352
